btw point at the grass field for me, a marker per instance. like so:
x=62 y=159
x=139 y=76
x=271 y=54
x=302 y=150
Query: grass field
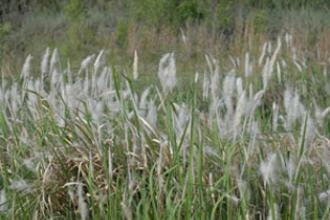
x=247 y=138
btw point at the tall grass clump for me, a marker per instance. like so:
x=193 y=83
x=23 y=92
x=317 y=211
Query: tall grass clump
x=244 y=139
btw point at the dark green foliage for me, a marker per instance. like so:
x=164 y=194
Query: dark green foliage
x=261 y=21
x=225 y=14
x=288 y=4
x=190 y=10
x=83 y=26
x=5 y=29
x=121 y=33
x=75 y=10
x=160 y=11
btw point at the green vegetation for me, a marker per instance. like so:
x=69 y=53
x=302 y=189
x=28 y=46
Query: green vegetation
x=155 y=27
x=164 y=109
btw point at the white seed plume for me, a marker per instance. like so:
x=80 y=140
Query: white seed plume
x=183 y=36
x=26 y=70
x=209 y=63
x=324 y=197
x=206 y=86
x=276 y=52
x=290 y=168
x=257 y=97
x=196 y=77
x=294 y=109
x=82 y=205
x=275 y=116
x=232 y=60
x=228 y=91
x=99 y=61
x=279 y=72
x=135 y=66
x=152 y=114
x=215 y=85
x=239 y=86
x=253 y=132
x=295 y=62
x=263 y=52
x=269 y=169
x=238 y=114
x=85 y=63
x=3 y=201
x=247 y=65
x=238 y=61
x=325 y=71
x=269 y=66
x=167 y=72
x=288 y=39
x=266 y=73
x=44 y=63
x=269 y=47
x=320 y=115
x=54 y=61
x=110 y=163
x=325 y=112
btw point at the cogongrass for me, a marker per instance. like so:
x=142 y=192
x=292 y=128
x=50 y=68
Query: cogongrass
x=93 y=145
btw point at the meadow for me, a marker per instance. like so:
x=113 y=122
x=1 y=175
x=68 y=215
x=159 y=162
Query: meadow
x=164 y=109
x=247 y=138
